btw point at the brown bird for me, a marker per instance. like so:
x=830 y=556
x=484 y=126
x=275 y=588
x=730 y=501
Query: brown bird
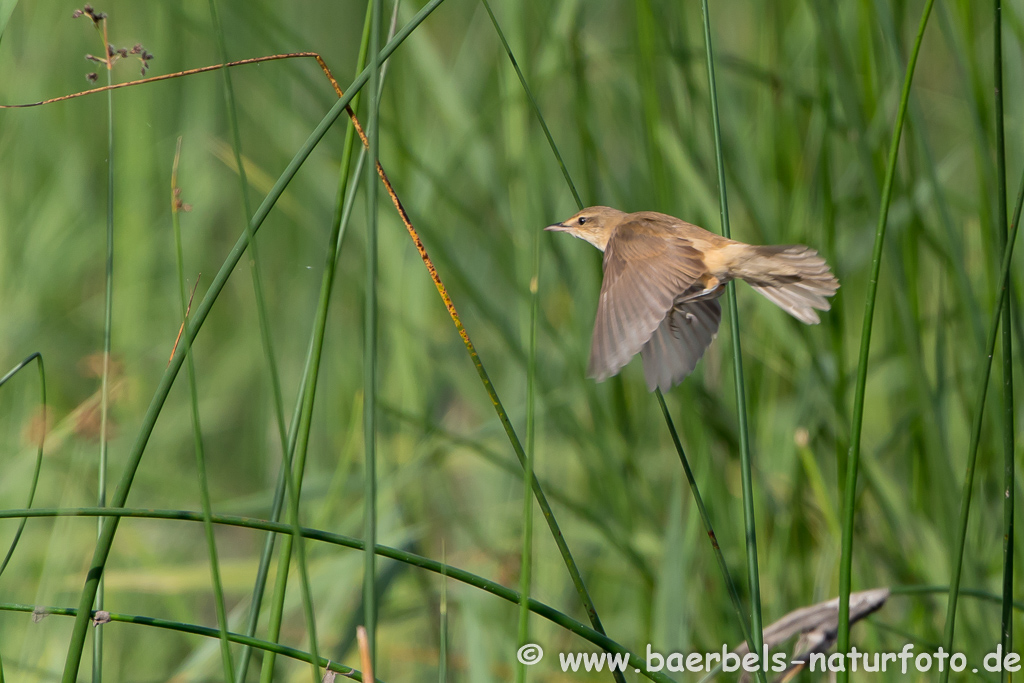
x=662 y=279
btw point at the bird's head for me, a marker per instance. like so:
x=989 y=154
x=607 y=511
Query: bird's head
x=594 y=224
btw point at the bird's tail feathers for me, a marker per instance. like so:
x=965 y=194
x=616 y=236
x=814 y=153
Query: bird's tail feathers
x=793 y=277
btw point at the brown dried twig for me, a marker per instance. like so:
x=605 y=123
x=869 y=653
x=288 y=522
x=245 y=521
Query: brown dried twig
x=188 y=310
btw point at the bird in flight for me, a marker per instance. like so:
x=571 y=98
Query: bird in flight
x=662 y=280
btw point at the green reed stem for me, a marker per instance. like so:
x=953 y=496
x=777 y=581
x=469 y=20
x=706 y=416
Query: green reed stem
x=38 y=357
x=370 y=347
x=108 y=324
x=852 y=463
x=442 y=657
x=737 y=356
x=1002 y=232
x=526 y=564
x=103 y=545
x=976 y=426
x=197 y=432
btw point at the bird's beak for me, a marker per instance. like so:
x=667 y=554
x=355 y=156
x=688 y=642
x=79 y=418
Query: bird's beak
x=557 y=227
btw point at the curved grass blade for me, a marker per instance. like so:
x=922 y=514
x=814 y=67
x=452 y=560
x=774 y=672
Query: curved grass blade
x=38 y=357
x=492 y=587
x=192 y=629
x=74 y=656
x=6 y=10
x=852 y=462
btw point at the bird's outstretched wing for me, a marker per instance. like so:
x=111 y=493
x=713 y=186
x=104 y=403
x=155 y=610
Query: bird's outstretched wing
x=644 y=274
x=679 y=342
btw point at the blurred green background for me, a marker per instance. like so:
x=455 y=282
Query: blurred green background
x=808 y=91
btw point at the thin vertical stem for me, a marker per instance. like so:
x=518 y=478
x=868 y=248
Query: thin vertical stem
x=370 y=346
x=442 y=657
x=853 y=461
x=108 y=323
x=976 y=425
x=526 y=567
x=741 y=398
x=1002 y=233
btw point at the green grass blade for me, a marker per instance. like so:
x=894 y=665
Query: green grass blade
x=976 y=427
x=442 y=657
x=737 y=356
x=6 y=10
x=852 y=463
x=108 y=323
x=103 y=545
x=38 y=357
x=526 y=564
x=193 y=629
x=197 y=432
x=1002 y=232
x=370 y=347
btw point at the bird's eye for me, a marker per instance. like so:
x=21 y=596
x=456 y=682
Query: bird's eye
x=583 y=219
